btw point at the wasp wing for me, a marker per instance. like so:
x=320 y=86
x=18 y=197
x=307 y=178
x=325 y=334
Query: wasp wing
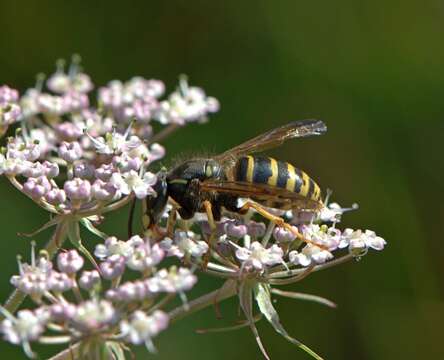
x=275 y=138
x=262 y=192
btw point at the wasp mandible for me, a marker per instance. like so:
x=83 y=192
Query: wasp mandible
x=212 y=184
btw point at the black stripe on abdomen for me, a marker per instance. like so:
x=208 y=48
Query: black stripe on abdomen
x=242 y=169
x=262 y=170
x=298 y=182
x=283 y=174
x=311 y=188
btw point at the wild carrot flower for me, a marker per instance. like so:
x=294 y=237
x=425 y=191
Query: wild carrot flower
x=80 y=155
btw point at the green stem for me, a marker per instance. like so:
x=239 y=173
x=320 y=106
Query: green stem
x=164 y=133
x=303 y=296
x=227 y=290
x=281 y=274
x=41 y=203
x=73 y=232
x=71 y=353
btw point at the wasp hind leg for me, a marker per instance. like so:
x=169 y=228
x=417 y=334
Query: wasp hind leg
x=277 y=220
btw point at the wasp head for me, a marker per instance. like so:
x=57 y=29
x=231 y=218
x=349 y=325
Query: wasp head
x=183 y=182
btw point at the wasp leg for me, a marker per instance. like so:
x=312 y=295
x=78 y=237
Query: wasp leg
x=211 y=240
x=157 y=233
x=278 y=221
x=209 y=210
x=152 y=230
x=171 y=222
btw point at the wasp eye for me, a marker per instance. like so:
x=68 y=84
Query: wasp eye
x=208 y=171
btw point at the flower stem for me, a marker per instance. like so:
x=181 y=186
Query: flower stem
x=324 y=266
x=164 y=133
x=41 y=203
x=70 y=353
x=227 y=290
x=303 y=296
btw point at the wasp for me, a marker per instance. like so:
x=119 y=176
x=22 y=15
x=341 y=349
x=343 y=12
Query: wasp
x=211 y=185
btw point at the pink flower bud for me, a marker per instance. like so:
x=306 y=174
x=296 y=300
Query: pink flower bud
x=37 y=187
x=112 y=267
x=78 y=189
x=70 y=152
x=55 y=196
x=69 y=261
x=89 y=279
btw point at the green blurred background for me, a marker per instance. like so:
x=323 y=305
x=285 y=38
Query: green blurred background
x=373 y=70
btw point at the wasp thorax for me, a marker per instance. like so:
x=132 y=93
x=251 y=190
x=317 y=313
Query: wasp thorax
x=212 y=169
x=183 y=183
x=195 y=169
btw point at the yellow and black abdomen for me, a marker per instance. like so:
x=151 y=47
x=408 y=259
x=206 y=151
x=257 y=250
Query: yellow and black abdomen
x=265 y=170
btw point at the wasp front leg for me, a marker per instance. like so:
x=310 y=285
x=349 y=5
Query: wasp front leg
x=154 y=230
x=209 y=208
x=171 y=222
x=209 y=211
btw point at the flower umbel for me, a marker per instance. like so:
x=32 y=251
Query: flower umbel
x=80 y=155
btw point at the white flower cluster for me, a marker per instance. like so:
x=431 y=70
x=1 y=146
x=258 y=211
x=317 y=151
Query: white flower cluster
x=10 y=111
x=95 y=315
x=250 y=248
x=136 y=254
x=186 y=244
x=70 y=155
x=78 y=159
x=187 y=104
